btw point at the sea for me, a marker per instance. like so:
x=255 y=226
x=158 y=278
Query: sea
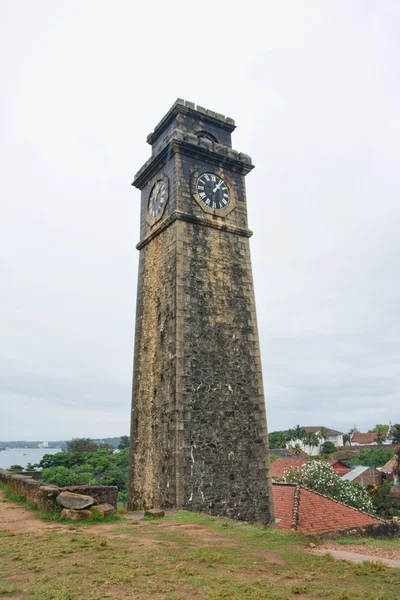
x=23 y=456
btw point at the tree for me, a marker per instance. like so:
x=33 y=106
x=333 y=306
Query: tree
x=328 y=447
x=82 y=445
x=319 y=476
x=104 y=446
x=312 y=440
x=347 y=439
x=380 y=438
x=323 y=433
x=379 y=428
x=396 y=433
x=297 y=433
x=16 y=468
x=297 y=449
x=124 y=442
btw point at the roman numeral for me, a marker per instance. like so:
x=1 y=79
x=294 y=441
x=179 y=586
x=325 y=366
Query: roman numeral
x=202 y=195
x=213 y=178
x=208 y=201
x=207 y=177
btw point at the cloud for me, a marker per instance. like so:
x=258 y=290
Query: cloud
x=314 y=92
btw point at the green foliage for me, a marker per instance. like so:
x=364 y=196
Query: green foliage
x=61 y=476
x=319 y=476
x=328 y=447
x=78 y=468
x=381 y=428
x=82 y=445
x=16 y=468
x=278 y=439
x=273 y=457
x=30 y=467
x=124 y=442
x=396 y=434
x=385 y=505
x=372 y=457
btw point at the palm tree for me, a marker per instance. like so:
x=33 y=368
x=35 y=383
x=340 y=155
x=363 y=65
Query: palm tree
x=297 y=450
x=283 y=439
x=323 y=433
x=312 y=439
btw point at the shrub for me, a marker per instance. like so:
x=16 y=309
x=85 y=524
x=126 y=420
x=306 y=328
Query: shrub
x=16 y=468
x=372 y=457
x=319 y=476
x=62 y=476
x=328 y=447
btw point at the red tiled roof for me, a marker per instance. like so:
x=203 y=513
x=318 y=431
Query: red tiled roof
x=367 y=438
x=284 y=504
x=289 y=463
x=390 y=465
x=280 y=465
x=339 y=468
x=313 y=513
x=314 y=429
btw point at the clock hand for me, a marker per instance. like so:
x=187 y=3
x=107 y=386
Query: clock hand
x=217 y=186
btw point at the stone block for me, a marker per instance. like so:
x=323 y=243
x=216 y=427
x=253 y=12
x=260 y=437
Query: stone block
x=104 y=509
x=74 y=501
x=75 y=515
x=154 y=512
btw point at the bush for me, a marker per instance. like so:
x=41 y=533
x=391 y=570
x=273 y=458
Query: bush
x=84 y=468
x=328 y=448
x=16 y=468
x=62 y=476
x=319 y=476
x=372 y=457
x=384 y=504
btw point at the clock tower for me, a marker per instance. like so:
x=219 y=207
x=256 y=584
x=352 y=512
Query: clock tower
x=198 y=430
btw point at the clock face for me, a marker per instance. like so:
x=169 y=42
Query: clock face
x=158 y=198
x=212 y=191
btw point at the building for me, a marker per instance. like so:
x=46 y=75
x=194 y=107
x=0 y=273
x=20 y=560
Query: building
x=198 y=427
x=371 y=438
x=300 y=509
x=365 y=476
x=281 y=465
x=336 y=437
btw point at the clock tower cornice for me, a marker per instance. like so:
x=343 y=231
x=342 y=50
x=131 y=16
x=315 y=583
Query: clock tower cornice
x=179 y=215
x=221 y=156
x=184 y=107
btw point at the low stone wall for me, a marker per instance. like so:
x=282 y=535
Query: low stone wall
x=44 y=495
x=386 y=529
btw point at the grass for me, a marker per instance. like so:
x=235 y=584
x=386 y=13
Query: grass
x=389 y=544
x=185 y=556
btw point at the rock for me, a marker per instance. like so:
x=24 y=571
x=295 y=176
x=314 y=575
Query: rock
x=312 y=545
x=75 y=515
x=74 y=501
x=104 y=509
x=154 y=512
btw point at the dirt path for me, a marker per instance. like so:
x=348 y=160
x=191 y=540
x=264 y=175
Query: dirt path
x=15 y=519
x=359 y=553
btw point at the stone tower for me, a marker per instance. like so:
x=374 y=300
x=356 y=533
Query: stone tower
x=198 y=431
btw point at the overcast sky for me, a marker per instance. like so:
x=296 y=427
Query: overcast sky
x=314 y=89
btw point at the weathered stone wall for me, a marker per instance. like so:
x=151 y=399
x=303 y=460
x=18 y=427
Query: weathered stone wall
x=224 y=461
x=385 y=529
x=44 y=495
x=152 y=469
